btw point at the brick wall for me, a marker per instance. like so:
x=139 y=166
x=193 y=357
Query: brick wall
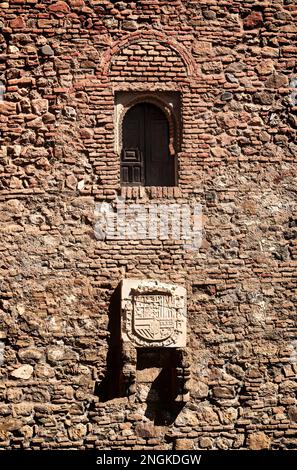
x=233 y=63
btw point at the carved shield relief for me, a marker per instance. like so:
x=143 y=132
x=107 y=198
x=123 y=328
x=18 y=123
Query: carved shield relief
x=154 y=314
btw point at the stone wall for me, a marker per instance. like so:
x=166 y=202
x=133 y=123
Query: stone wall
x=234 y=64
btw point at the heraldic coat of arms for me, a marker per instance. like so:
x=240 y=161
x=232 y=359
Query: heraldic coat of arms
x=154 y=313
x=153 y=316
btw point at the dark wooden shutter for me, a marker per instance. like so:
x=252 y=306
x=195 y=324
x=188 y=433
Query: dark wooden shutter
x=145 y=156
x=132 y=159
x=159 y=163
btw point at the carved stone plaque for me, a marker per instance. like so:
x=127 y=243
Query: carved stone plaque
x=153 y=314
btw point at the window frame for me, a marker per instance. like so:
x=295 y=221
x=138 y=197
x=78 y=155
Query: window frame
x=169 y=102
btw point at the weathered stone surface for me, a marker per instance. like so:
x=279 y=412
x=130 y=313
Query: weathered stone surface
x=47 y=50
x=205 y=443
x=186 y=418
x=231 y=78
x=11 y=424
x=130 y=25
x=14 y=395
x=292 y=412
x=26 y=431
x=48 y=118
x=146 y=430
x=202 y=48
x=55 y=354
x=6 y=108
x=200 y=390
x=77 y=3
x=253 y=20
x=77 y=432
x=223 y=392
x=183 y=444
x=265 y=67
x=30 y=355
x=23 y=372
x=212 y=67
x=18 y=23
x=59 y=7
x=227 y=96
x=277 y=80
x=258 y=441
x=264 y=97
x=71 y=182
x=40 y=106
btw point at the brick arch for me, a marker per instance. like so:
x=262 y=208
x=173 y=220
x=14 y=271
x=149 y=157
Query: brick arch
x=145 y=37
x=173 y=120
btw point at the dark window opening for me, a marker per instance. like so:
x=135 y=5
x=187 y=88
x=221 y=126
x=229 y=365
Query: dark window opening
x=146 y=158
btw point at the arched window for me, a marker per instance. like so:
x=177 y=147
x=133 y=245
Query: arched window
x=146 y=158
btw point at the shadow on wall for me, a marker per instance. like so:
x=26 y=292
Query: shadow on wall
x=162 y=413
x=162 y=407
x=110 y=386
